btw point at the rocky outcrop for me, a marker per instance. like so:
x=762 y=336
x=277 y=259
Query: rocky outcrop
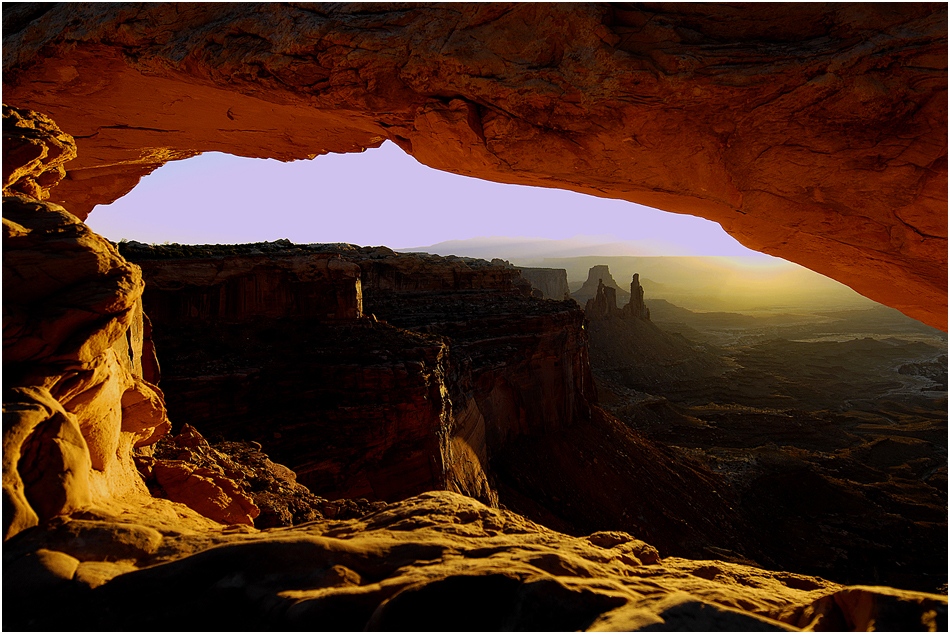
x=599 y=274
x=83 y=534
x=76 y=403
x=389 y=412
x=813 y=132
x=244 y=287
x=34 y=151
x=248 y=486
x=551 y=283
x=636 y=309
x=603 y=304
x=438 y=561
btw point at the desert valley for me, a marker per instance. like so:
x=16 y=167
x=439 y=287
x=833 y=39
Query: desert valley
x=481 y=435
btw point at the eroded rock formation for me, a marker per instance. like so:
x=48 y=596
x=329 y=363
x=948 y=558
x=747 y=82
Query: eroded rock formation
x=551 y=283
x=636 y=308
x=76 y=403
x=37 y=150
x=439 y=561
x=86 y=546
x=603 y=303
x=597 y=276
x=390 y=411
x=256 y=491
x=814 y=132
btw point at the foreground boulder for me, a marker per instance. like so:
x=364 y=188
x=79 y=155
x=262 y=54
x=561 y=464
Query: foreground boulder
x=438 y=561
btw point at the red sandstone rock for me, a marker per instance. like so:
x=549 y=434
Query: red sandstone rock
x=438 y=561
x=205 y=491
x=76 y=404
x=46 y=461
x=101 y=543
x=364 y=409
x=34 y=151
x=244 y=479
x=813 y=132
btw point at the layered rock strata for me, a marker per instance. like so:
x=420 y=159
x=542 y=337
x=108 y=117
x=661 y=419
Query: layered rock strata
x=814 y=132
x=82 y=533
x=76 y=401
x=360 y=408
x=34 y=150
x=551 y=283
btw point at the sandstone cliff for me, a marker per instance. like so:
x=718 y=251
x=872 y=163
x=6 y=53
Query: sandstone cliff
x=551 y=283
x=86 y=546
x=76 y=403
x=814 y=132
x=362 y=408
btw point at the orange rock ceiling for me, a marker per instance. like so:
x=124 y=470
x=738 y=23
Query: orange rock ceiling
x=817 y=133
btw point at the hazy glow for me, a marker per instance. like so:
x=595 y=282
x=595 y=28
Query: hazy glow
x=384 y=197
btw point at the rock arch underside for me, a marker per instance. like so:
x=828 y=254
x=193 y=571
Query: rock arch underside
x=815 y=132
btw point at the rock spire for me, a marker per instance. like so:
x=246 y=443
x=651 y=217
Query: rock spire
x=636 y=308
x=604 y=302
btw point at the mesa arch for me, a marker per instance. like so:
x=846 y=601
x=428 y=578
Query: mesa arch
x=817 y=133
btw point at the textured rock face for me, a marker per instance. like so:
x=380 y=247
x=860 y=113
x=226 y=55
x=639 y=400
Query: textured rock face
x=439 y=561
x=247 y=486
x=34 y=151
x=362 y=408
x=813 y=132
x=87 y=547
x=76 y=403
x=245 y=287
x=552 y=283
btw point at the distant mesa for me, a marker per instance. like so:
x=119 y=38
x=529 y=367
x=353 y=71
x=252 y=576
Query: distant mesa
x=597 y=274
x=603 y=303
x=548 y=283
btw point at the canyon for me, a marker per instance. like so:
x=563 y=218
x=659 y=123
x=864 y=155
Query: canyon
x=460 y=452
x=816 y=133
x=439 y=364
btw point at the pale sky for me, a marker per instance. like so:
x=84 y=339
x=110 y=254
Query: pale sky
x=381 y=197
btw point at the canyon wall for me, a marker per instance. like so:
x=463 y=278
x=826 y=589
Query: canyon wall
x=86 y=545
x=813 y=132
x=465 y=362
x=551 y=283
x=76 y=401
